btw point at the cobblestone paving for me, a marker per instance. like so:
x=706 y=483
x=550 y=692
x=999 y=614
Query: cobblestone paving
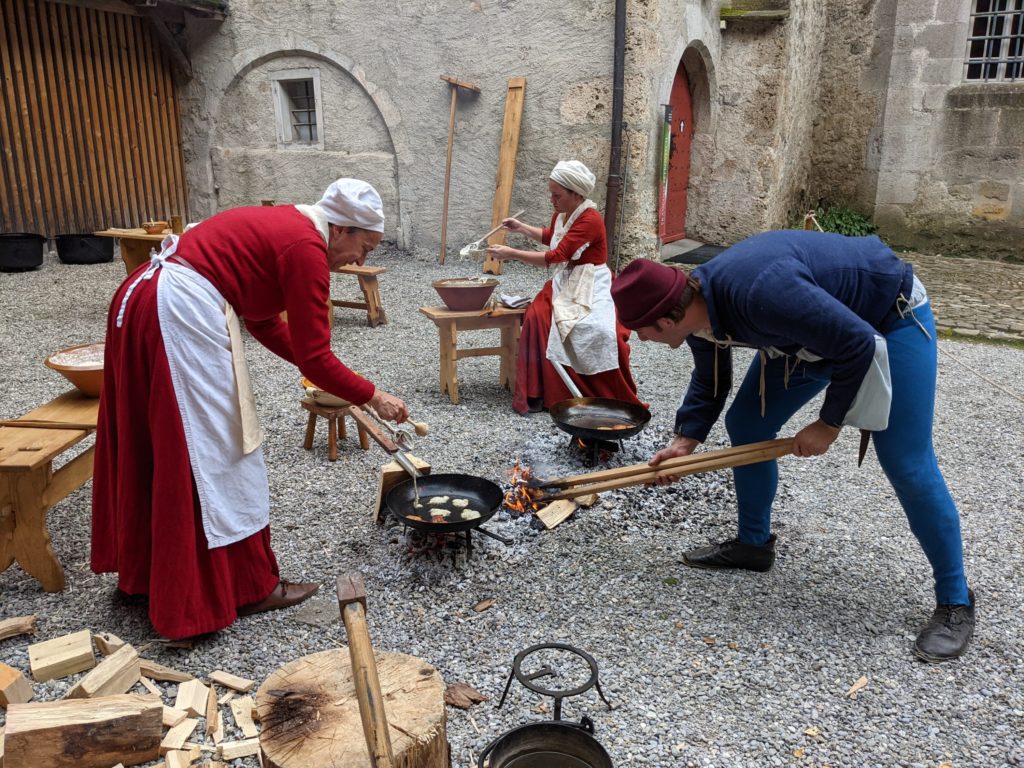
x=973 y=297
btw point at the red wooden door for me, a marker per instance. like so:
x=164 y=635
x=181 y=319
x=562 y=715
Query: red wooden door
x=679 y=158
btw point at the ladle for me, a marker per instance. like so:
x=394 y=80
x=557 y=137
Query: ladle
x=478 y=245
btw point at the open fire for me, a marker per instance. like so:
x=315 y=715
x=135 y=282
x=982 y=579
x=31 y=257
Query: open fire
x=521 y=498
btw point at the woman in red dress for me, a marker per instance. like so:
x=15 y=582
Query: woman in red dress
x=572 y=321
x=181 y=504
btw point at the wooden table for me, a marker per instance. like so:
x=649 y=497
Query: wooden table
x=29 y=486
x=135 y=245
x=449 y=323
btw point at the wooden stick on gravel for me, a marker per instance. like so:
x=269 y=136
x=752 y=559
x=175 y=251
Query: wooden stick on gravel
x=20 y=625
x=639 y=474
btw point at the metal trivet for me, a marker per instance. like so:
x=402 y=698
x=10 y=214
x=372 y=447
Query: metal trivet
x=595 y=451
x=527 y=679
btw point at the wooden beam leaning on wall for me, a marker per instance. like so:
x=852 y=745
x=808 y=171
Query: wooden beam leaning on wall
x=506 y=175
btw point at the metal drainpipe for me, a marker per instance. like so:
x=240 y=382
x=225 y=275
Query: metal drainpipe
x=611 y=214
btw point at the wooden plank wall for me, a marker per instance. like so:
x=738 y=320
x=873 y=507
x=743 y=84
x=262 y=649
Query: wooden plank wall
x=89 y=124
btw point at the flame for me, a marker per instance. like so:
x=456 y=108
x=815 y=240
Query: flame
x=520 y=498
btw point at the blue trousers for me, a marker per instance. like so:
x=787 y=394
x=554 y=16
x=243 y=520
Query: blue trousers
x=904 y=449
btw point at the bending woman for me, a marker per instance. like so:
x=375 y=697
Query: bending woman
x=572 y=319
x=181 y=502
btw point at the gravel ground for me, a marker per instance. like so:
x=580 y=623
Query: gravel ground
x=704 y=669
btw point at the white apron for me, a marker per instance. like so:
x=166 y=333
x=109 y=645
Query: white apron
x=583 y=332
x=202 y=338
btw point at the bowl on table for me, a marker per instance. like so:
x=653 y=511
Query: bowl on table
x=322 y=397
x=155 y=227
x=82 y=365
x=465 y=294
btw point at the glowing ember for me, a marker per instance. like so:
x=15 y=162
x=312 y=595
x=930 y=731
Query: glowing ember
x=520 y=498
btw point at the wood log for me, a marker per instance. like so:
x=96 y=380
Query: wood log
x=83 y=733
x=234 y=682
x=61 y=656
x=14 y=688
x=157 y=671
x=118 y=673
x=192 y=697
x=310 y=715
x=242 y=710
x=556 y=512
x=19 y=625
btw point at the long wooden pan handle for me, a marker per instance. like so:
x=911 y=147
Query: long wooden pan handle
x=352 y=601
x=639 y=474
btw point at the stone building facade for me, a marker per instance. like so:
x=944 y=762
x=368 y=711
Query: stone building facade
x=794 y=102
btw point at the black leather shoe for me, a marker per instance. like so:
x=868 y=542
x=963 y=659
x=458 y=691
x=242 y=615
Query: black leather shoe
x=733 y=554
x=947 y=634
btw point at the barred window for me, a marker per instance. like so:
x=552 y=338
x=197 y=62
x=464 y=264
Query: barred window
x=297 y=107
x=995 y=47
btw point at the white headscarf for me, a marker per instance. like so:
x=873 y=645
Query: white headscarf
x=574 y=175
x=353 y=203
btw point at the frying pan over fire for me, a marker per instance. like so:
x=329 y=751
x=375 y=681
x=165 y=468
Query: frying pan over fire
x=481 y=494
x=599 y=418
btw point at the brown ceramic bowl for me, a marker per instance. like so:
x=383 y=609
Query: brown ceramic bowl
x=155 y=227
x=322 y=397
x=465 y=294
x=81 y=365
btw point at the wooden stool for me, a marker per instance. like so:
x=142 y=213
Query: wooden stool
x=29 y=486
x=335 y=416
x=371 y=293
x=449 y=323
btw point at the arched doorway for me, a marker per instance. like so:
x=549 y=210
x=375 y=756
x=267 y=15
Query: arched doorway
x=681 y=140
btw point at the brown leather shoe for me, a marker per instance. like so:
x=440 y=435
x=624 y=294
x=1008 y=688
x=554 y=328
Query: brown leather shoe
x=285 y=594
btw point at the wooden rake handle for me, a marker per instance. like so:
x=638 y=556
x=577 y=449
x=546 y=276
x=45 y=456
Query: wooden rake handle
x=640 y=474
x=352 y=602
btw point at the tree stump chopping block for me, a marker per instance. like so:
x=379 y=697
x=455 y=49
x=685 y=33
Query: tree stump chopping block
x=309 y=713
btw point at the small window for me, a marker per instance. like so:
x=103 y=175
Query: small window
x=995 y=47
x=297 y=107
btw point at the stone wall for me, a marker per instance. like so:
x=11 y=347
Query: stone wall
x=951 y=177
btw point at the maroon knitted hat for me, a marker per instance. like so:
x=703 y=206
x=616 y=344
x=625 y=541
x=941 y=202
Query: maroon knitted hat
x=645 y=291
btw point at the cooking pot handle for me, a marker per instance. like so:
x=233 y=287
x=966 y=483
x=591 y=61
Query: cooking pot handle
x=482 y=761
x=502 y=539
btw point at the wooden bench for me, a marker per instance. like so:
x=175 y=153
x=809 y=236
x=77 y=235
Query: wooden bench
x=335 y=416
x=29 y=486
x=368 y=284
x=449 y=323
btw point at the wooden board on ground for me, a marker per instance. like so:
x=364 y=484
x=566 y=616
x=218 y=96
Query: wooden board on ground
x=84 y=733
x=61 y=656
x=178 y=735
x=309 y=712
x=172 y=716
x=118 y=673
x=514 y=98
x=391 y=475
x=192 y=697
x=556 y=512
x=157 y=671
x=231 y=750
x=234 y=682
x=242 y=710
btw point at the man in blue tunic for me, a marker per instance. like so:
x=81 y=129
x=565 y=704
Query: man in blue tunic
x=825 y=312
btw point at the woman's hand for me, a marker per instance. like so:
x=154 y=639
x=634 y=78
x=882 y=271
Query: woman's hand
x=814 y=439
x=501 y=252
x=388 y=407
x=680 y=446
x=514 y=225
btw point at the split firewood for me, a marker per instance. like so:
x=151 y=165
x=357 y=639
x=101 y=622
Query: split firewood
x=192 y=697
x=242 y=709
x=14 y=688
x=84 y=733
x=232 y=750
x=178 y=735
x=106 y=642
x=211 y=710
x=1 y=748
x=171 y=716
x=226 y=698
x=19 y=625
x=588 y=500
x=150 y=686
x=483 y=605
x=217 y=732
x=234 y=682
x=462 y=695
x=61 y=656
x=178 y=758
x=118 y=673
x=156 y=671
x=556 y=512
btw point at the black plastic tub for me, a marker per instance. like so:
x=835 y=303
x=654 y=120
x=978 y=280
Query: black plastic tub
x=84 y=249
x=20 y=251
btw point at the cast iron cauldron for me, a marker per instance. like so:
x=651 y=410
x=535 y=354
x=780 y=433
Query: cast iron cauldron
x=548 y=744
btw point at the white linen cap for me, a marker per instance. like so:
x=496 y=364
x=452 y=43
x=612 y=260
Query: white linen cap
x=574 y=175
x=353 y=203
